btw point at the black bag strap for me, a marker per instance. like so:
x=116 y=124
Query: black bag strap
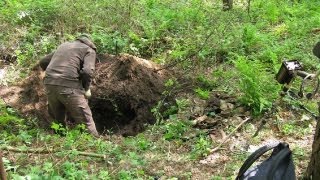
x=254 y=156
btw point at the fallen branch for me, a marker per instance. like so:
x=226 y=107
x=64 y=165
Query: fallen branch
x=229 y=135
x=315 y=30
x=47 y=151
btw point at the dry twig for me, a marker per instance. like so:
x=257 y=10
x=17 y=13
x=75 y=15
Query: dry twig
x=229 y=135
x=47 y=151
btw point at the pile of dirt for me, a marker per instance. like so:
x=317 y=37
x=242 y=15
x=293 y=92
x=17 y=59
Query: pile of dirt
x=28 y=97
x=124 y=90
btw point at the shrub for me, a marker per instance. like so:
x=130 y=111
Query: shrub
x=258 y=87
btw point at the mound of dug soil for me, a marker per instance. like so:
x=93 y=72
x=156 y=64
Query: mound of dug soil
x=124 y=90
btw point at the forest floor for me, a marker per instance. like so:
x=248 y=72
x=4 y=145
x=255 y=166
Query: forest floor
x=178 y=147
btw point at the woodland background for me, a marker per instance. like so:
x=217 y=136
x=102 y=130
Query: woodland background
x=236 y=50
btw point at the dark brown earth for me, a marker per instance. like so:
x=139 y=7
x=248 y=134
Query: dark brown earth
x=124 y=90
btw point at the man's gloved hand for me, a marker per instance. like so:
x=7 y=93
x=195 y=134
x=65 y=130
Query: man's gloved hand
x=42 y=75
x=87 y=94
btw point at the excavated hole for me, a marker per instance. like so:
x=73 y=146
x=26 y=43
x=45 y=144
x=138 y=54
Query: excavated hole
x=111 y=115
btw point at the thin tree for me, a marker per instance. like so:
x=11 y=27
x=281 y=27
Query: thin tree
x=313 y=171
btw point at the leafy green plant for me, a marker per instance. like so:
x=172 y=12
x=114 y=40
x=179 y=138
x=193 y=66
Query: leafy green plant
x=108 y=42
x=126 y=175
x=258 y=90
x=143 y=144
x=73 y=171
x=201 y=147
x=252 y=39
x=294 y=129
x=104 y=175
x=135 y=159
x=203 y=94
x=7 y=115
x=139 y=142
x=25 y=137
x=59 y=128
x=158 y=111
x=182 y=104
x=175 y=128
x=288 y=129
x=206 y=83
x=102 y=146
x=173 y=109
x=299 y=152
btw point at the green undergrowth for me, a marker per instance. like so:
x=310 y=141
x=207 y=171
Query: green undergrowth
x=236 y=53
x=125 y=158
x=169 y=150
x=196 y=33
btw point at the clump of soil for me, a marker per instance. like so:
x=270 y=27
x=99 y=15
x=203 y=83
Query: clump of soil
x=28 y=97
x=124 y=90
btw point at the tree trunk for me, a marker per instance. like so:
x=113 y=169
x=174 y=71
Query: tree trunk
x=2 y=170
x=227 y=5
x=313 y=171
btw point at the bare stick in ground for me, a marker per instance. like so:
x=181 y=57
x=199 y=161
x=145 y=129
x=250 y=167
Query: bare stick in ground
x=228 y=137
x=45 y=151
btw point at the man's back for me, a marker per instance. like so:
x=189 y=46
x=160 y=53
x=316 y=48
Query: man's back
x=66 y=63
x=67 y=60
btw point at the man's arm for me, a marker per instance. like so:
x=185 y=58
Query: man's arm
x=44 y=62
x=88 y=68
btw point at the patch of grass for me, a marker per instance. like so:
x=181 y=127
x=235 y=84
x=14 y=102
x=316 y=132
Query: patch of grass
x=293 y=129
x=175 y=128
x=206 y=83
x=138 y=143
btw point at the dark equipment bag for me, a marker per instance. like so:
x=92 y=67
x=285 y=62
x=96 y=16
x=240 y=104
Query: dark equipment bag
x=279 y=166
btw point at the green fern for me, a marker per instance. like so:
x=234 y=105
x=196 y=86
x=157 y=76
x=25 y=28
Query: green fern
x=257 y=86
